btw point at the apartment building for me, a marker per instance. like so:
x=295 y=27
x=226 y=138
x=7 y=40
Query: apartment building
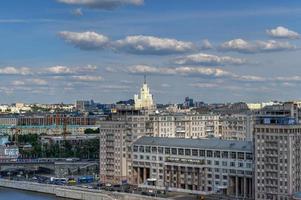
x=184 y=125
x=277 y=157
x=116 y=136
x=237 y=126
x=200 y=166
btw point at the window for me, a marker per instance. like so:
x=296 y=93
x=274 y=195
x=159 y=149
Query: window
x=241 y=155
x=224 y=163
x=202 y=153
x=160 y=150
x=217 y=154
x=174 y=151
x=209 y=153
x=167 y=150
x=249 y=156
x=194 y=152
x=216 y=162
x=225 y=154
x=154 y=149
x=187 y=152
x=141 y=149
x=232 y=164
x=147 y=149
x=233 y=155
x=135 y=149
x=180 y=151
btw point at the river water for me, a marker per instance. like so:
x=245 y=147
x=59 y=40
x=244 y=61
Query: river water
x=11 y=194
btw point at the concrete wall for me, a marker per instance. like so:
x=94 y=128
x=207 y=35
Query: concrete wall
x=73 y=192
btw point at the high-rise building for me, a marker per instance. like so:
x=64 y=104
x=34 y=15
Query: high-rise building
x=116 y=136
x=277 y=157
x=145 y=100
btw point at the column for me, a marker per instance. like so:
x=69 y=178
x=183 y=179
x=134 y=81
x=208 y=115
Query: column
x=236 y=186
x=138 y=177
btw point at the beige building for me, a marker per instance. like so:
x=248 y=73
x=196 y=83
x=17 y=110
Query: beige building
x=237 y=126
x=199 y=166
x=145 y=99
x=277 y=158
x=116 y=136
x=184 y=125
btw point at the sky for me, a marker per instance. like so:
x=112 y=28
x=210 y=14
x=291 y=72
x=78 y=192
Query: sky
x=211 y=50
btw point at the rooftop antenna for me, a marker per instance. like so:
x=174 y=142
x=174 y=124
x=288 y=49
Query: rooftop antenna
x=144 y=78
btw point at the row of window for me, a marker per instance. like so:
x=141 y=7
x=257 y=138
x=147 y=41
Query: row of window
x=193 y=152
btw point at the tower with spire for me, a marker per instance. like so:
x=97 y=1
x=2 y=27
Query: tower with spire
x=145 y=99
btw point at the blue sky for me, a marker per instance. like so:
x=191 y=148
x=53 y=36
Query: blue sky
x=213 y=51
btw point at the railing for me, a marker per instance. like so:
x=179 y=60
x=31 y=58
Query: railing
x=22 y=161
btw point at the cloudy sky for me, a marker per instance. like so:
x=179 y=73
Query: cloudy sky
x=211 y=50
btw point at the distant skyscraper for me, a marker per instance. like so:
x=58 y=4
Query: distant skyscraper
x=145 y=100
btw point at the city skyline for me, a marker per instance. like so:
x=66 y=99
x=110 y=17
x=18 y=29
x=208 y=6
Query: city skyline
x=63 y=50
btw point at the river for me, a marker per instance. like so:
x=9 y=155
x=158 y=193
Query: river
x=12 y=194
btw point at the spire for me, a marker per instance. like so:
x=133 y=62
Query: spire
x=144 y=78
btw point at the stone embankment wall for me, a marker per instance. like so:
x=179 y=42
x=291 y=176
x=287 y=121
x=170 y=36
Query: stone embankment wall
x=73 y=192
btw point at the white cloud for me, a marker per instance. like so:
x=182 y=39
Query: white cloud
x=243 y=46
x=78 y=12
x=282 y=32
x=248 y=78
x=18 y=83
x=102 y=4
x=85 y=40
x=136 y=44
x=64 y=70
x=204 y=85
x=37 y=81
x=87 y=78
x=165 y=85
x=59 y=70
x=15 y=71
x=206 y=44
x=207 y=59
x=140 y=44
x=184 y=71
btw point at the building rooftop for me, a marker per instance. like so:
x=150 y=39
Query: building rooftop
x=210 y=143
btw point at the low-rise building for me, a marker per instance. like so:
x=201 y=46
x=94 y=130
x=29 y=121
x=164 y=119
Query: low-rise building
x=200 y=166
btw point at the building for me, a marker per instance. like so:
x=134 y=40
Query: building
x=7 y=151
x=286 y=109
x=237 y=127
x=184 y=125
x=200 y=166
x=145 y=100
x=52 y=124
x=277 y=157
x=116 y=136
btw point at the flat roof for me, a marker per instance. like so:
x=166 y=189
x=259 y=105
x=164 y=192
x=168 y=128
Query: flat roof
x=210 y=143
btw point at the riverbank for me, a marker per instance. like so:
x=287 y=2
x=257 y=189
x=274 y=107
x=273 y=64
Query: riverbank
x=71 y=192
x=14 y=194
